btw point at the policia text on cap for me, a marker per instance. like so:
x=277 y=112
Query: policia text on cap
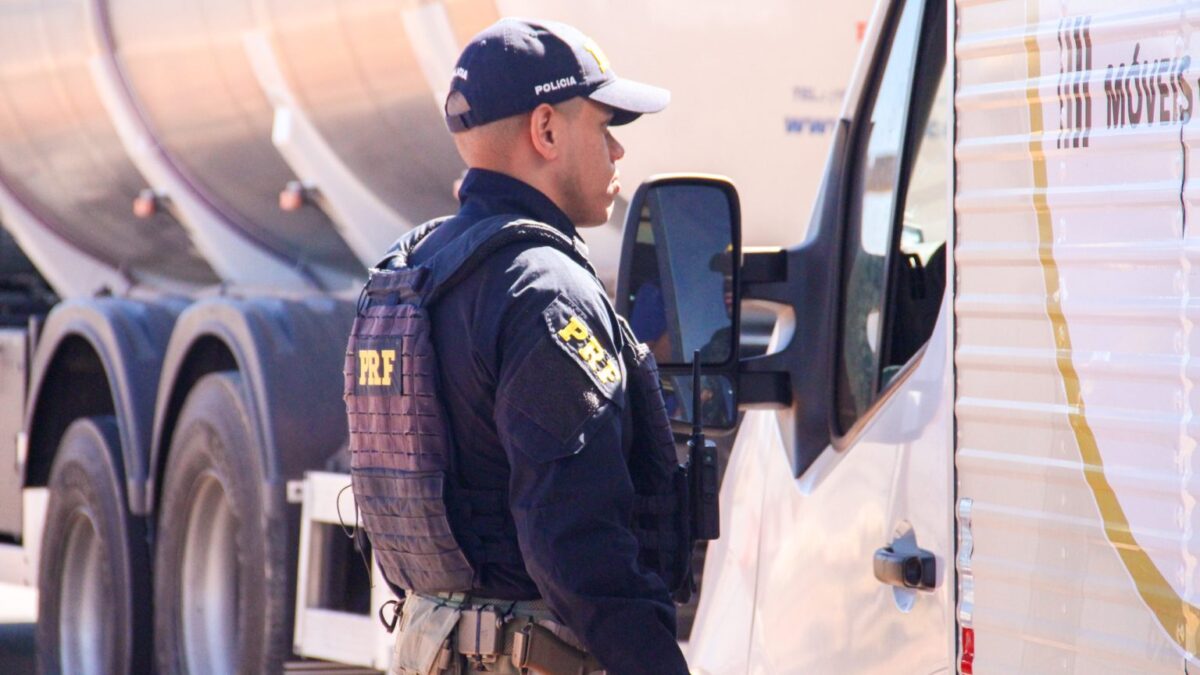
x=512 y=461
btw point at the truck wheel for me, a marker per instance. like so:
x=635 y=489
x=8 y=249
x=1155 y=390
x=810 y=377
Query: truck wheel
x=221 y=572
x=94 y=581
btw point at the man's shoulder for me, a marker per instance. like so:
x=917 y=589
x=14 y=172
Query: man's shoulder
x=540 y=256
x=533 y=267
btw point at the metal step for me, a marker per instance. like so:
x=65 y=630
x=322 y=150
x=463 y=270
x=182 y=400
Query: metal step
x=328 y=629
x=14 y=566
x=311 y=667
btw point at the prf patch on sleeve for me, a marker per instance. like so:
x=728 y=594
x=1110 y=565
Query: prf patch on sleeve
x=572 y=333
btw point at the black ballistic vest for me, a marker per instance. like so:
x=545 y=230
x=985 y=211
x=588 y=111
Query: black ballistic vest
x=428 y=533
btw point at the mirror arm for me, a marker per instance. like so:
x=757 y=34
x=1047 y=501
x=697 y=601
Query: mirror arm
x=764 y=274
x=762 y=266
x=765 y=381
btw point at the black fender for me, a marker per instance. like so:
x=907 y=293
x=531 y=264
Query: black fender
x=98 y=356
x=290 y=354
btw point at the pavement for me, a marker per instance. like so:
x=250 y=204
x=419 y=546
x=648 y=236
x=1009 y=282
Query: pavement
x=18 y=611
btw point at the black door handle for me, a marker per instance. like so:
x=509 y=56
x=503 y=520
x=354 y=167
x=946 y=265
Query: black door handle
x=915 y=569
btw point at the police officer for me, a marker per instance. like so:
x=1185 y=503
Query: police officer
x=527 y=342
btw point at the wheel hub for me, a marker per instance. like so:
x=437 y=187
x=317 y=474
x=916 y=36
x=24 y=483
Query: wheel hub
x=209 y=580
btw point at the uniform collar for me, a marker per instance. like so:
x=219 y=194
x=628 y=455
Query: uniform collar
x=491 y=193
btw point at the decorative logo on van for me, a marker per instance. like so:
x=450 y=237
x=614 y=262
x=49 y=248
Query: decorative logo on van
x=1142 y=91
x=1074 y=89
x=1148 y=91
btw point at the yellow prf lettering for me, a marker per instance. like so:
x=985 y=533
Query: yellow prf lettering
x=369 y=363
x=593 y=353
x=389 y=364
x=364 y=365
x=574 y=330
x=372 y=367
x=610 y=373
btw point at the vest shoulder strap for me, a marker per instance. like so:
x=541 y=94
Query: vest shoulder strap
x=460 y=257
x=399 y=253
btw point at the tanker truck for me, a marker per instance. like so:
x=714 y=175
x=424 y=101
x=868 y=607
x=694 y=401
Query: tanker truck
x=191 y=193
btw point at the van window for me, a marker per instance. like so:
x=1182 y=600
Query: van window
x=918 y=274
x=893 y=269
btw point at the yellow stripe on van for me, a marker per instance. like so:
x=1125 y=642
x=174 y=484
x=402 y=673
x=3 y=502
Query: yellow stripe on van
x=1180 y=619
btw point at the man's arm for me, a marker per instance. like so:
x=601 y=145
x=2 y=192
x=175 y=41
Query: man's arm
x=559 y=414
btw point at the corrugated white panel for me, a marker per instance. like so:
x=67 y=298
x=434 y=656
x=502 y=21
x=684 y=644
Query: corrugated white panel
x=1075 y=396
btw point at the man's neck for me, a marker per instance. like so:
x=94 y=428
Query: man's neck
x=538 y=180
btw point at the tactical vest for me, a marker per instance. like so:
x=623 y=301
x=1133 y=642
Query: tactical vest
x=428 y=533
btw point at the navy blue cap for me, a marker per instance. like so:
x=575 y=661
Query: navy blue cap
x=514 y=65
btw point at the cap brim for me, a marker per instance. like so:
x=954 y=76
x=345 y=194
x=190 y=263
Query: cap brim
x=630 y=100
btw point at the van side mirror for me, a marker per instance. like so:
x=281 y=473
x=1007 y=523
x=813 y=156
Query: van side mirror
x=678 y=285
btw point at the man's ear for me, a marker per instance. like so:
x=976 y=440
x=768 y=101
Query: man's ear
x=544 y=131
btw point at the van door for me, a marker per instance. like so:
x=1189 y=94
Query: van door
x=883 y=487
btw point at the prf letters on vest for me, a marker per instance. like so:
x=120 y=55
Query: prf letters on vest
x=375 y=367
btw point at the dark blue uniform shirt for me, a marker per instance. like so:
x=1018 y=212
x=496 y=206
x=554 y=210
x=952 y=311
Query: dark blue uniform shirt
x=531 y=416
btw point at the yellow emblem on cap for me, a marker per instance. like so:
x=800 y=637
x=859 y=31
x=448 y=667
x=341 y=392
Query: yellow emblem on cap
x=601 y=59
x=589 y=350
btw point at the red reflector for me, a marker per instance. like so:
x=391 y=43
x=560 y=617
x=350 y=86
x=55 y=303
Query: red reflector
x=145 y=204
x=293 y=196
x=966 y=646
x=291 y=200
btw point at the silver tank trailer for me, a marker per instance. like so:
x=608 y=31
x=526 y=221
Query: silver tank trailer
x=207 y=110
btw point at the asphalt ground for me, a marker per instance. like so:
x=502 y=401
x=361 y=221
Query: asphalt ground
x=18 y=611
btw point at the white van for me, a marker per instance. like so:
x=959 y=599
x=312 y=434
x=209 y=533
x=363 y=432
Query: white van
x=973 y=447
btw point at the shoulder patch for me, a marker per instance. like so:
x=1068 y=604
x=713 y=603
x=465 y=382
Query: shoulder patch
x=572 y=333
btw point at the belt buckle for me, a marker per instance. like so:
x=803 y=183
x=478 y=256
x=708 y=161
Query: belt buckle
x=520 y=648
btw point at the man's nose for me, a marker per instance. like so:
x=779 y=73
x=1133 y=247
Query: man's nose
x=615 y=149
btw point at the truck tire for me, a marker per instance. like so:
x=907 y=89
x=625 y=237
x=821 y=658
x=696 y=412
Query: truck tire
x=221 y=565
x=94 y=581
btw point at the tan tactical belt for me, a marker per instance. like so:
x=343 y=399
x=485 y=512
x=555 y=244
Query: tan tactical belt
x=490 y=632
